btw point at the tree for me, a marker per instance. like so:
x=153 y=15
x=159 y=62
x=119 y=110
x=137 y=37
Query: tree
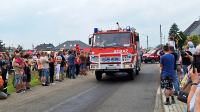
x=177 y=35
x=195 y=39
x=174 y=30
x=182 y=39
x=2 y=46
x=19 y=48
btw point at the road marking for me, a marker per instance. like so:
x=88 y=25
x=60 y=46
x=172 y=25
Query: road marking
x=69 y=99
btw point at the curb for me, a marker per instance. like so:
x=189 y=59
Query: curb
x=177 y=107
x=158 y=102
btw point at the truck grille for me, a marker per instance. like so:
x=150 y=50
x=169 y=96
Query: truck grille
x=110 y=59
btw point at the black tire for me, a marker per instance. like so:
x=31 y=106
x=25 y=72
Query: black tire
x=98 y=75
x=131 y=75
x=145 y=61
x=136 y=71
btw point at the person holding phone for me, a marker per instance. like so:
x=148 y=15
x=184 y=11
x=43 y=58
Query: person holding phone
x=193 y=101
x=186 y=59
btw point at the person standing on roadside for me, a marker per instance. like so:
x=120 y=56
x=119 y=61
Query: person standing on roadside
x=71 y=65
x=4 y=71
x=83 y=63
x=62 y=65
x=171 y=42
x=191 y=46
x=39 y=67
x=167 y=72
x=193 y=100
x=77 y=63
x=186 y=59
x=58 y=62
x=45 y=70
x=52 y=67
x=175 y=76
x=2 y=94
x=18 y=64
x=27 y=71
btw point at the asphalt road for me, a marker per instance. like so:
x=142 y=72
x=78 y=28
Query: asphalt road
x=85 y=94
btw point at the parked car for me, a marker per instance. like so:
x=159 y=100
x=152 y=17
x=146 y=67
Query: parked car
x=151 y=56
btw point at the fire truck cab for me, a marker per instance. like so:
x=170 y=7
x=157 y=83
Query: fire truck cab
x=115 y=51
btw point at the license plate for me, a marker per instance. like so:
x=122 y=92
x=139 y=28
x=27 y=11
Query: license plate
x=111 y=67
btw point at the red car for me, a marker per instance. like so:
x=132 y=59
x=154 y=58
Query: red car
x=151 y=56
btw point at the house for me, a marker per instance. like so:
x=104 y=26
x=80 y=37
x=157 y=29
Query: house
x=45 y=47
x=72 y=44
x=193 y=29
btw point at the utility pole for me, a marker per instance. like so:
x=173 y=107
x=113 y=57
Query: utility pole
x=147 y=42
x=164 y=39
x=160 y=34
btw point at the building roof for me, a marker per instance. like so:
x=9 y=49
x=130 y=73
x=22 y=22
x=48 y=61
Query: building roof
x=193 y=29
x=71 y=44
x=45 y=47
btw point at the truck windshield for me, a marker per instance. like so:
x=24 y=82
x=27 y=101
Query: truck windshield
x=112 y=40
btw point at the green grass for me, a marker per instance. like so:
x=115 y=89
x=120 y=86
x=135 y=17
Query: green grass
x=34 y=81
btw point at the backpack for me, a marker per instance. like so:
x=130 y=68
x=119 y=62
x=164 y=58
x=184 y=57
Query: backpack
x=1 y=81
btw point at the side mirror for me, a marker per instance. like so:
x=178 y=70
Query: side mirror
x=137 y=38
x=90 y=41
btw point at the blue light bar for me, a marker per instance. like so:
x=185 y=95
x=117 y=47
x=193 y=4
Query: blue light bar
x=96 y=30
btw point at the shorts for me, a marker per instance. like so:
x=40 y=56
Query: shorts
x=166 y=84
x=17 y=79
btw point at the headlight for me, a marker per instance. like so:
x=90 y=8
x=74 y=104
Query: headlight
x=94 y=66
x=127 y=58
x=94 y=59
x=128 y=65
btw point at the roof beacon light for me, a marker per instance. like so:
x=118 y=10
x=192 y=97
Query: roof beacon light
x=96 y=30
x=128 y=28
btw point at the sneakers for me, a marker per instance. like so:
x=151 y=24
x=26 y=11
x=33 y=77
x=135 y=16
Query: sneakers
x=167 y=103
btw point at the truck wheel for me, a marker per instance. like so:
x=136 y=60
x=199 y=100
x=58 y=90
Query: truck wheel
x=131 y=75
x=137 y=71
x=145 y=61
x=98 y=75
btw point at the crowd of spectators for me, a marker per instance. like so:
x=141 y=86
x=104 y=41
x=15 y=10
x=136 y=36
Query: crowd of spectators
x=58 y=65
x=180 y=74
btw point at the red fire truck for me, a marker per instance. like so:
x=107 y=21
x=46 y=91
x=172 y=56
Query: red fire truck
x=115 y=51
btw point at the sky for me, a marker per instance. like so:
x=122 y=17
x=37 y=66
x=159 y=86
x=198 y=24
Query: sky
x=32 y=22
